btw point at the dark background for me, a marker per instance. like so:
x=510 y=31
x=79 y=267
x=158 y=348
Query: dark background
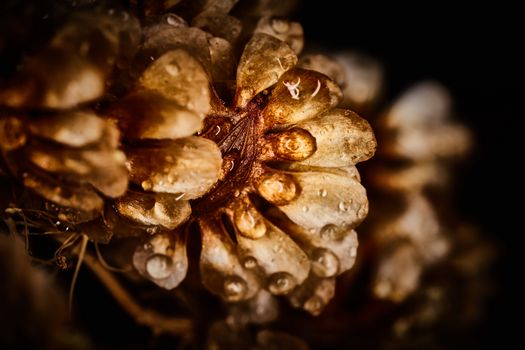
x=475 y=54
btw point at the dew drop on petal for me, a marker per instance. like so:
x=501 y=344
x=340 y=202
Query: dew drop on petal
x=331 y=232
x=313 y=305
x=158 y=266
x=172 y=68
x=234 y=288
x=281 y=283
x=323 y=192
x=147 y=185
x=250 y=262
x=324 y=263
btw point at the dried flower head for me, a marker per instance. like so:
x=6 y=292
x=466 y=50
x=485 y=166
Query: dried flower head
x=270 y=178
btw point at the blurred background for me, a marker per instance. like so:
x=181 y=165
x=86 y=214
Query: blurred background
x=474 y=53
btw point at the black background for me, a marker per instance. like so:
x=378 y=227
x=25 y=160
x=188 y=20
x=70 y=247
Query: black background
x=473 y=52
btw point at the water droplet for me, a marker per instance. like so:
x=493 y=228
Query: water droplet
x=172 y=68
x=147 y=185
x=313 y=305
x=362 y=212
x=323 y=192
x=249 y=223
x=305 y=209
x=250 y=262
x=173 y=20
x=281 y=283
x=280 y=26
x=324 y=262
x=248 y=220
x=331 y=232
x=158 y=266
x=234 y=288
x=343 y=206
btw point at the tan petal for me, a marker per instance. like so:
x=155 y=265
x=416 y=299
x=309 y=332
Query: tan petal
x=327 y=198
x=313 y=294
x=425 y=104
x=332 y=249
x=293 y=144
x=74 y=129
x=437 y=141
x=179 y=77
x=264 y=60
x=171 y=32
x=221 y=271
x=104 y=169
x=398 y=274
x=149 y=115
x=326 y=65
x=219 y=24
x=342 y=137
x=154 y=209
x=222 y=59
x=54 y=79
x=64 y=194
x=287 y=31
x=413 y=177
x=363 y=77
x=188 y=166
x=162 y=259
x=299 y=95
x=278 y=256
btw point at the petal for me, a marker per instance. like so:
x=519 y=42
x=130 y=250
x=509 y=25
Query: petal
x=327 y=198
x=264 y=60
x=218 y=24
x=423 y=144
x=332 y=249
x=222 y=59
x=82 y=198
x=158 y=209
x=413 y=177
x=363 y=77
x=398 y=274
x=74 y=129
x=287 y=31
x=180 y=78
x=221 y=271
x=188 y=166
x=326 y=65
x=425 y=104
x=313 y=294
x=342 y=137
x=56 y=79
x=301 y=94
x=104 y=169
x=291 y=145
x=278 y=256
x=162 y=259
x=149 y=115
x=172 y=32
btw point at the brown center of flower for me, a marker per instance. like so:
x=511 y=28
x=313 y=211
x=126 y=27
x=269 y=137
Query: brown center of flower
x=237 y=137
